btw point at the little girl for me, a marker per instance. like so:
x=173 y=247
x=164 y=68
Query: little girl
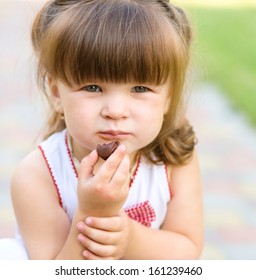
x=111 y=70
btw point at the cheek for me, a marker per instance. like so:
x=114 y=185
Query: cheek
x=77 y=108
x=156 y=125
x=152 y=120
x=78 y=115
x=155 y=112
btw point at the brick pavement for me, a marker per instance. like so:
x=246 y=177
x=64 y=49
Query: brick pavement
x=227 y=154
x=227 y=149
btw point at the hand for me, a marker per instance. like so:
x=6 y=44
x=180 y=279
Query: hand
x=104 y=238
x=104 y=193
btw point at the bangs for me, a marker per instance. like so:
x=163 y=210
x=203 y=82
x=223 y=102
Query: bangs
x=112 y=43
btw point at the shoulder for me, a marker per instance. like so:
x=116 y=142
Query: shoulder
x=33 y=167
x=36 y=206
x=32 y=164
x=185 y=176
x=187 y=202
x=31 y=177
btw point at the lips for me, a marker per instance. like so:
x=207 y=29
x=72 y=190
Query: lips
x=114 y=135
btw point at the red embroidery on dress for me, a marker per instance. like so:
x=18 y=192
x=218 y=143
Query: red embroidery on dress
x=70 y=155
x=168 y=181
x=143 y=213
x=53 y=179
x=135 y=173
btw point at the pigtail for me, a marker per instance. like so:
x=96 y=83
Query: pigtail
x=41 y=24
x=172 y=146
x=178 y=16
x=175 y=148
x=176 y=140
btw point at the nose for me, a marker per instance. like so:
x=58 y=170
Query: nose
x=115 y=107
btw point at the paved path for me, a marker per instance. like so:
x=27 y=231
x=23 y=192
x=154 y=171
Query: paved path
x=227 y=154
x=227 y=149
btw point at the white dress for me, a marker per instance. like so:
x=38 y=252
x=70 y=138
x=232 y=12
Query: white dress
x=149 y=189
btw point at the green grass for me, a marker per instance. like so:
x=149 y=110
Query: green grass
x=225 y=51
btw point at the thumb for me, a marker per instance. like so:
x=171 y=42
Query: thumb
x=87 y=165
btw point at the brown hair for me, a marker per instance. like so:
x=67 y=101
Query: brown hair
x=119 y=41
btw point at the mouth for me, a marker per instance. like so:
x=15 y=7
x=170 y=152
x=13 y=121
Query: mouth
x=114 y=135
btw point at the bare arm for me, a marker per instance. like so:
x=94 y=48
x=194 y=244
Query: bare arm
x=44 y=225
x=181 y=235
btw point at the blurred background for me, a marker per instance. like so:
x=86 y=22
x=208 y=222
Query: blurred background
x=222 y=108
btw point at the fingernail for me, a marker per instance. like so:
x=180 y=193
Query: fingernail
x=89 y=221
x=80 y=226
x=86 y=254
x=93 y=153
x=80 y=237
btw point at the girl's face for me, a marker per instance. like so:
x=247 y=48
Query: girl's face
x=100 y=112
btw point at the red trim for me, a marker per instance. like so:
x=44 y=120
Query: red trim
x=135 y=172
x=168 y=180
x=53 y=179
x=70 y=155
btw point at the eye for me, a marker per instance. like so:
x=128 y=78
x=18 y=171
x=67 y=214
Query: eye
x=140 y=89
x=92 y=88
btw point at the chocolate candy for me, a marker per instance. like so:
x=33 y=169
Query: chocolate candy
x=105 y=150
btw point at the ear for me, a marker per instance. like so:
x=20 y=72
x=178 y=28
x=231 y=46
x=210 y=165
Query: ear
x=55 y=95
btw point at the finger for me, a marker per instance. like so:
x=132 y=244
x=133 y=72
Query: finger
x=106 y=224
x=96 y=248
x=122 y=172
x=90 y=256
x=98 y=235
x=87 y=165
x=109 y=167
